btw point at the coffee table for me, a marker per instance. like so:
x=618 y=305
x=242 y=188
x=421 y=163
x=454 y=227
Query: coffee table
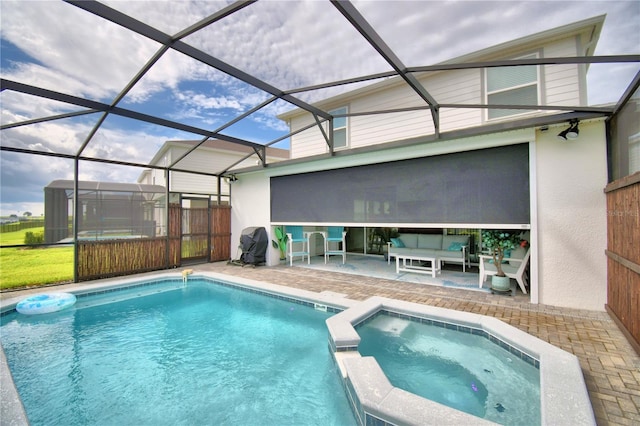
x=404 y=263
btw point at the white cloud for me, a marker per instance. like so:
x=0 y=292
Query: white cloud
x=23 y=180
x=201 y=101
x=125 y=145
x=55 y=137
x=169 y=17
x=17 y=107
x=437 y=31
x=60 y=36
x=8 y=209
x=272 y=123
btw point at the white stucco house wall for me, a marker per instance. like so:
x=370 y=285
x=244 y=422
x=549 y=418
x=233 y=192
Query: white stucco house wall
x=567 y=208
x=212 y=156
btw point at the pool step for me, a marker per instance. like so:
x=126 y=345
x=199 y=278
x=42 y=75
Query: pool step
x=388 y=324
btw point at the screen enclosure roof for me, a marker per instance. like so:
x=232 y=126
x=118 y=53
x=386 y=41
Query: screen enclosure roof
x=112 y=82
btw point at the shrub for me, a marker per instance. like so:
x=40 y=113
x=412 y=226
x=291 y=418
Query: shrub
x=33 y=238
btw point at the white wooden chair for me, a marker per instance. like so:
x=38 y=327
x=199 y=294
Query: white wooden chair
x=514 y=267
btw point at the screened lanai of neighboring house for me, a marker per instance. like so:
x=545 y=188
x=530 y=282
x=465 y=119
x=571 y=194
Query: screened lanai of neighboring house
x=108 y=210
x=94 y=95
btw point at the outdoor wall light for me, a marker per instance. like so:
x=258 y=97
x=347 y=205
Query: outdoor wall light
x=231 y=179
x=571 y=133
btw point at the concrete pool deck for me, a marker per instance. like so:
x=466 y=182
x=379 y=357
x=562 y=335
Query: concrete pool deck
x=609 y=364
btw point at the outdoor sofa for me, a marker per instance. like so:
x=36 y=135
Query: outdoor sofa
x=447 y=248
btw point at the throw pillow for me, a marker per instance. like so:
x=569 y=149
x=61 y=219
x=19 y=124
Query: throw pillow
x=397 y=242
x=455 y=247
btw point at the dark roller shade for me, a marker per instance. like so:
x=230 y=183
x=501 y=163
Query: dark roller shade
x=482 y=186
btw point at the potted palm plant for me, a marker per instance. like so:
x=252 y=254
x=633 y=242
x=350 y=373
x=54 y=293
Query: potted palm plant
x=280 y=242
x=498 y=242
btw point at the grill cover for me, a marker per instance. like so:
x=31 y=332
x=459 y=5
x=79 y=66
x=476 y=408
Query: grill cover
x=254 y=242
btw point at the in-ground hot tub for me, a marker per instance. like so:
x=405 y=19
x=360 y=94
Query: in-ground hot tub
x=563 y=395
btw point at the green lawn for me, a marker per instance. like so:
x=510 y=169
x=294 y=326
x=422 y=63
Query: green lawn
x=21 y=267
x=16 y=237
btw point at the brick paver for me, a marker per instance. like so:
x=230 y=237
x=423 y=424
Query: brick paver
x=610 y=366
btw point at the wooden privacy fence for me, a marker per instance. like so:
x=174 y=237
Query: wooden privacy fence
x=195 y=233
x=101 y=259
x=623 y=255
x=19 y=226
x=109 y=258
x=175 y=233
x=220 y=233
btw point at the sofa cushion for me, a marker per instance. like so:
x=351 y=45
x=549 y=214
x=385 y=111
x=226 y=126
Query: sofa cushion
x=409 y=240
x=397 y=242
x=404 y=251
x=448 y=254
x=430 y=241
x=423 y=252
x=411 y=246
x=448 y=240
x=455 y=246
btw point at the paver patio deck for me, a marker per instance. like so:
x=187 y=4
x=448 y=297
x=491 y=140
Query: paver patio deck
x=610 y=366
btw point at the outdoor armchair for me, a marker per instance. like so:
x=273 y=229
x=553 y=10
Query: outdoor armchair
x=514 y=267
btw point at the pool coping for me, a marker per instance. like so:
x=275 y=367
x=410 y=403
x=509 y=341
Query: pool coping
x=563 y=392
x=564 y=397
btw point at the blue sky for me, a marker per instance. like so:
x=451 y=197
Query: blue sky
x=288 y=44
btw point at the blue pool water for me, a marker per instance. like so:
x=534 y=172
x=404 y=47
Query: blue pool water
x=461 y=370
x=205 y=354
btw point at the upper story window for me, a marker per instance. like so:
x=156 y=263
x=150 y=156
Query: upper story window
x=512 y=85
x=339 y=128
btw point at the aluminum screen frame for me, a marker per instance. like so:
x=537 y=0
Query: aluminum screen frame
x=486 y=186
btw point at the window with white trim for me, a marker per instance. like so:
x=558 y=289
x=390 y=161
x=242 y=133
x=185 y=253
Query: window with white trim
x=339 y=128
x=516 y=85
